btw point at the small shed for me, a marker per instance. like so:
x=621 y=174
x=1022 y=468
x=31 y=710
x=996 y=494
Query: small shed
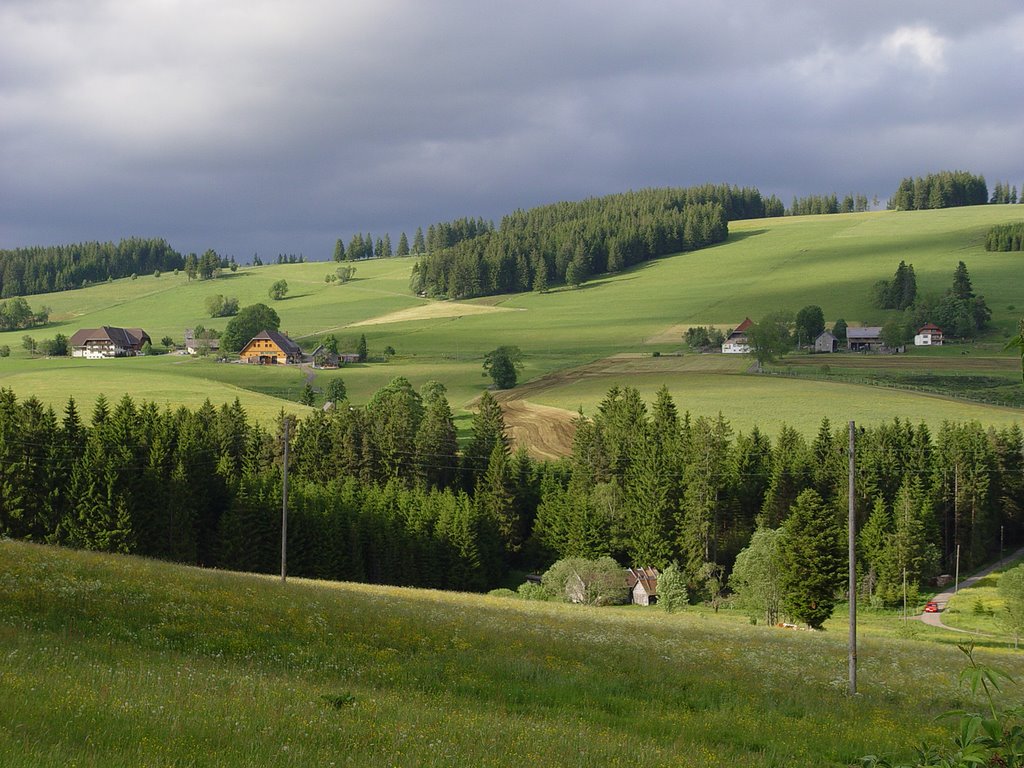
x=826 y=342
x=643 y=585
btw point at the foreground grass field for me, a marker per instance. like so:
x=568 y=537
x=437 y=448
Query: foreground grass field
x=766 y=265
x=115 y=661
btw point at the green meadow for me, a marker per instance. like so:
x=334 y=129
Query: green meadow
x=766 y=265
x=116 y=661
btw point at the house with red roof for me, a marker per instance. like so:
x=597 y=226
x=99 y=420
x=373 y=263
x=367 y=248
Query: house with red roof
x=929 y=335
x=737 y=343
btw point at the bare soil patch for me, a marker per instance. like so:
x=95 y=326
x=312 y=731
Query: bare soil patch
x=547 y=432
x=431 y=311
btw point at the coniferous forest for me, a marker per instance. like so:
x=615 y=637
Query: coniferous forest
x=42 y=269
x=382 y=494
x=569 y=241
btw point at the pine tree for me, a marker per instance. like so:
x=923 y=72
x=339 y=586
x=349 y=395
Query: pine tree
x=436 y=444
x=339 y=250
x=647 y=493
x=403 y=246
x=488 y=429
x=813 y=560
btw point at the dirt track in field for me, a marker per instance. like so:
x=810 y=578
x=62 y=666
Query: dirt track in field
x=548 y=432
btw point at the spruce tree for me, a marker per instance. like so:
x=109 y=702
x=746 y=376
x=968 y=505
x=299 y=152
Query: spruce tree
x=813 y=560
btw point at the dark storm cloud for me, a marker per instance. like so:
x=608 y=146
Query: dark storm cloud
x=277 y=127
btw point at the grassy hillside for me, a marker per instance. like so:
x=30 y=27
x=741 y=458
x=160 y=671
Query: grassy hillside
x=113 y=661
x=766 y=265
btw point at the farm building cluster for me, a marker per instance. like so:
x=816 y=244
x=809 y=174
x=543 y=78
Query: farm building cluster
x=268 y=347
x=867 y=338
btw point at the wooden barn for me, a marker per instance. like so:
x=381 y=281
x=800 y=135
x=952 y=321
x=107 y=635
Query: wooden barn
x=271 y=348
x=643 y=585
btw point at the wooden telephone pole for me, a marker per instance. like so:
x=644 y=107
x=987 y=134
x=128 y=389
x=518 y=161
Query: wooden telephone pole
x=284 y=508
x=853 y=571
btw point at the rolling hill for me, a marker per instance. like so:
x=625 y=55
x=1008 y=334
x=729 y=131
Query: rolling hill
x=769 y=264
x=117 y=661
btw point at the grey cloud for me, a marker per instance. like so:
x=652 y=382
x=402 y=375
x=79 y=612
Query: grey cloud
x=272 y=126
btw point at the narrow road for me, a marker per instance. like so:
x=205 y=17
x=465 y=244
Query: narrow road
x=935 y=619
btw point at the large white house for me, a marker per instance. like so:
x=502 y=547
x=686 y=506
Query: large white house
x=737 y=343
x=108 y=341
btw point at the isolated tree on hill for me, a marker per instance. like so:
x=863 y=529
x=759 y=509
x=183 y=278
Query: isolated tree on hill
x=770 y=337
x=361 y=348
x=335 y=391
x=247 y=323
x=403 y=246
x=810 y=322
x=813 y=560
x=501 y=364
x=339 y=250
x=278 y=290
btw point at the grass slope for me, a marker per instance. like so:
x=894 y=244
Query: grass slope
x=766 y=265
x=114 y=661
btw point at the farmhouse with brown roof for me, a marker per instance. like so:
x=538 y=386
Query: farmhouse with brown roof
x=737 y=343
x=271 y=348
x=107 y=341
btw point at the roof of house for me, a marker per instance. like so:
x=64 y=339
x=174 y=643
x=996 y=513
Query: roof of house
x=867 y=332
x=210 y=342
x=747 y=322
x=285 y=344
x=121 y=337
x=929 y=327
x=824 y=334
x=646 y=576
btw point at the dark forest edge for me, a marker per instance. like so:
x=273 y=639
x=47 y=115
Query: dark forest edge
x=382 y=494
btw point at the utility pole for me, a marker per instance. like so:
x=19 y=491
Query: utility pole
x=853 y=571
x=284 y=509
x=956 y=582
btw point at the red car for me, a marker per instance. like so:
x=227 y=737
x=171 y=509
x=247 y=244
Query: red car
x=931 y=607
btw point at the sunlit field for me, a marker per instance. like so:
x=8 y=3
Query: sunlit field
x=766 y=265
x=116 y=661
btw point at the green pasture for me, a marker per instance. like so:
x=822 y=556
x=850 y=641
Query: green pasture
x=771 y=401
x=115 y=661
x=766 y=265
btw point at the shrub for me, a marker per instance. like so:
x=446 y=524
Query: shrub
x=591 y=582
x=672 y=594
x=529 y=590
x=5 y=351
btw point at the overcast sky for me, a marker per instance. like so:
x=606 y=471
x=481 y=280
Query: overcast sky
x=277 y=126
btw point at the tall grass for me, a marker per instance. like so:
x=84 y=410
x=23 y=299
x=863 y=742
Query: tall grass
x=114 y=661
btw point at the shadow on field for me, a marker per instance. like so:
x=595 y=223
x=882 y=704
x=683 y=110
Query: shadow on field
x=735 y=237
